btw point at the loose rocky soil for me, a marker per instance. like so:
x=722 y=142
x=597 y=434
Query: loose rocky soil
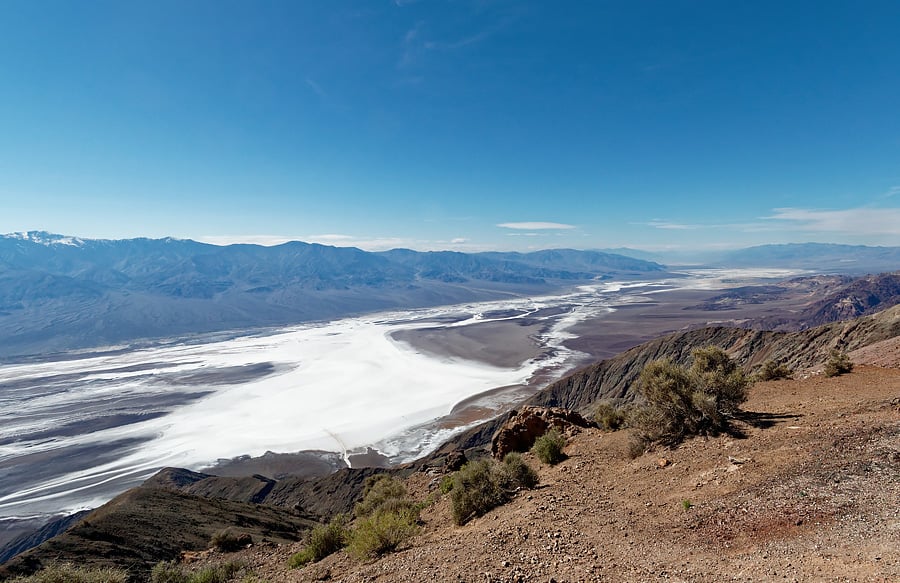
x=810 y=492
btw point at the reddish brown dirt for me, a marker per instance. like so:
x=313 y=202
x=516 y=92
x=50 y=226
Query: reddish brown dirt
x=810 y=493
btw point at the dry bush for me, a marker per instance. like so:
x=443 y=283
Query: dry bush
x=69 y=573
x=386 y=517
x=773 y=371
x=838 y=363
x=485 y=484
x=680 y=402
x=549 y=447
x=228 y=541
x=321 y=541
x=612 y=415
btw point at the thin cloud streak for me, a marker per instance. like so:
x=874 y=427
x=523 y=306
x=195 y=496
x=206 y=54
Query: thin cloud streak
x=535 y=225
x=858 y=221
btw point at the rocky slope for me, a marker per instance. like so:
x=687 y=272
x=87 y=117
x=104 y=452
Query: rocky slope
x=126 y=531
x=808 y=493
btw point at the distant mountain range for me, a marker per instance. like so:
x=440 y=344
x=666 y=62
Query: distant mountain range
x=821 y=257
x=59 y=292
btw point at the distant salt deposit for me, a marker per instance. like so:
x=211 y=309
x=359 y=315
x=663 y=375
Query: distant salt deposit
x=75 y=432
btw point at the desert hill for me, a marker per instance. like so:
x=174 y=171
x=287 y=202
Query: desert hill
x=807 y=494
x=264 y=502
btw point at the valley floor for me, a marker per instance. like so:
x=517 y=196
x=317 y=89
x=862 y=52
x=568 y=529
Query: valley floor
x=809 y=493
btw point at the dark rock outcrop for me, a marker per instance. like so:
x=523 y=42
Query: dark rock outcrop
x=521 y=430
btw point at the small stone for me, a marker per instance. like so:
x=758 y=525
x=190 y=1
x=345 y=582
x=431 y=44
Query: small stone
x=662 y=462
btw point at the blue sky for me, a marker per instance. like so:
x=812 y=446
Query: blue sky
x=467 y=124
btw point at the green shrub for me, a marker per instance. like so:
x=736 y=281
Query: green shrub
x=485 y=484
x=321 y=541
x=172 y=572
x=838 y=363
x=383 y=492
x=69 y=573
x=773 y=371
x=382 y=532
x=228 y=541
x=446 y=484
x=168 y=572
x=681 y=402
x=612 y=416
x=549 y=447
x=475 y=491
x=215 y=573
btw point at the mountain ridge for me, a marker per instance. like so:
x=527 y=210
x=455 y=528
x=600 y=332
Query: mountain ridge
x=60 y=293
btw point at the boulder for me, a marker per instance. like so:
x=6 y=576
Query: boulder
x=523 y=427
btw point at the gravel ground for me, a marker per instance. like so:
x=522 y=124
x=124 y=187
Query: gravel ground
x=811 y=492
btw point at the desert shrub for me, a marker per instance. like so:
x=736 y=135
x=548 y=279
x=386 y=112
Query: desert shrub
x=838 y=363
x=772 y=371
x=612 y=416
x=681 y=402
x=228 y=541
x=475 y=491
x=172 y=572
x=446 y=484
x=386 y=517
x=168 y=572
x=549 y=447
x=382 y=532
x=383 y=492
x=485 y=484
x=69 y=573
x=514 y=473
x=321 y=541
x=215 y=573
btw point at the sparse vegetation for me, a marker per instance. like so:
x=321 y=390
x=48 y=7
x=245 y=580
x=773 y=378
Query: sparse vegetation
x=383 y=493
x=446 y=484
x=686 y=505
x=612 y=416
x=172 y=572
x=386 y=518
x=228 y=541
x=838 y=363
x=514 y=474
x=773 y=371
x=549 y=447
x=322 y=541
x=382 y=532
x=680 y=402
x=485 y=484
x=69 y=573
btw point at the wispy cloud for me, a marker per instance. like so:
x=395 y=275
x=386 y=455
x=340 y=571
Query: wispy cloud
x=663 y=224
x=415 y=46
x=535 y=226
x=891 y=192
x=317 y=89
x=858 y=221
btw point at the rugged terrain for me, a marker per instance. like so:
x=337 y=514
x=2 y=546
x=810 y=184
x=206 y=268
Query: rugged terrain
x=807 y=492
x=855 y=413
